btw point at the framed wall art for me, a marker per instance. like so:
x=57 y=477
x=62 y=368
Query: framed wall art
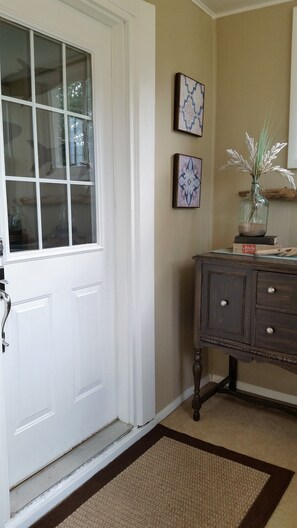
x=188 y=105
x=187 y=174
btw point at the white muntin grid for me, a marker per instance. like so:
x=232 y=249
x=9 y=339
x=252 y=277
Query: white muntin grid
x=37 y=180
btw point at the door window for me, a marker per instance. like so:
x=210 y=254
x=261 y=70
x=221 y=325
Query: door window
x=46 y=96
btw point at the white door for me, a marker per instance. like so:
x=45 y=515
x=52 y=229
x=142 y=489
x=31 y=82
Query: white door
x=57 y=227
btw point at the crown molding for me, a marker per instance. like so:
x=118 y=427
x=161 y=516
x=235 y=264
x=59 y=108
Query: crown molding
x=261 y=5
x=202 y=6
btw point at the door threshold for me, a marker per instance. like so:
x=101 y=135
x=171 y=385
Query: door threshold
x=25 y=492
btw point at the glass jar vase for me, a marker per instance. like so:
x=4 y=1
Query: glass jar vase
x=253 y=213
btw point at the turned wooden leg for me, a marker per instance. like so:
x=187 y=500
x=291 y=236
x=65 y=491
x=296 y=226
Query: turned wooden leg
x=232 y=373
x=197 y=371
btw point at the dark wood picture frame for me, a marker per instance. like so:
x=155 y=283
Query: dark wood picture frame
x=188 y=105
x=187 y=176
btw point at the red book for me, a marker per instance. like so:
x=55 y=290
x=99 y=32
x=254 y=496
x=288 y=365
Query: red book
x=250 y=249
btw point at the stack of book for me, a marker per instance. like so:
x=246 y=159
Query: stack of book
x=249 y=245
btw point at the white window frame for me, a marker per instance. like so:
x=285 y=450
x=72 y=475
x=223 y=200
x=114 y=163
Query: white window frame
x=292 y=141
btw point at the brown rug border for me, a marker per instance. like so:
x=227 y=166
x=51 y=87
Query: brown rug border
x=257 y=516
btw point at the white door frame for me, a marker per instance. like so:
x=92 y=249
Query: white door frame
x=132 y=25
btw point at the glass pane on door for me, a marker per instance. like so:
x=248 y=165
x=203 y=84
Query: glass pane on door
x=48 y=140
x=15 y=61
x=81 y=148
x=79 y=81
x=18 y=140
x=51 y=144
x=83 y=214
x=54 y=213
x=22 y=219
x=48 y=72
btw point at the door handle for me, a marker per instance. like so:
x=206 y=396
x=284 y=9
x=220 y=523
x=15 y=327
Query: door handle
x=7 y=306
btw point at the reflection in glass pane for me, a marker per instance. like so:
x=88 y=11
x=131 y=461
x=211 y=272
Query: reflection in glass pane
x=22 y=220
x=48 y=72
x=79 y=81
x=81 y=149
x=51 y=145
x=54 y=214
x=15 y=61
x=83 y=214
x=18 y=140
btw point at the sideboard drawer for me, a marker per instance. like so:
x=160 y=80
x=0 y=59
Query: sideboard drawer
x=277 y=290
x=276 y=331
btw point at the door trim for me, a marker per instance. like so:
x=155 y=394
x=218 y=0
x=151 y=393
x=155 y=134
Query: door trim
x=132 y=25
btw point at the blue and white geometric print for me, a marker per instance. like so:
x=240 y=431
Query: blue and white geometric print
x=191 y=106
x=189 y=181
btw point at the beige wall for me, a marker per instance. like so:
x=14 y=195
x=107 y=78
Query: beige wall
x=253 y=57
x=185 y=43
x=244 y=61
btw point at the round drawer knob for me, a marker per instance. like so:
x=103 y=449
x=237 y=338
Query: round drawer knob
x=269 y=330
x=271 y=289
x=224 y=302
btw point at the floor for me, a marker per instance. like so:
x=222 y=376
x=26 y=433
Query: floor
x=265 y=434
x=34 y=486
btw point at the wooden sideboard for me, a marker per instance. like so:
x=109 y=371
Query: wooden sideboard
x=246 y=306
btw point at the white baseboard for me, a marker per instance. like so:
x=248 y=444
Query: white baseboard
x=259 y=391
x=178 y=401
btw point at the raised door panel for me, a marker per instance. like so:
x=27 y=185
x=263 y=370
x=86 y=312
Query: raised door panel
x=32 y=363
x=29 y=361
x=93 y=377
x=87 y=339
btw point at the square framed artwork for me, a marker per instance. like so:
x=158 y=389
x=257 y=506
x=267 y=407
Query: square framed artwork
x=187 y=175
x=188 y=105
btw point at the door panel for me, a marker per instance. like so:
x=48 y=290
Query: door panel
x=89 y=373
x=31 y=409
x=60 y=367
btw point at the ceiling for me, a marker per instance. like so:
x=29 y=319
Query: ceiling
x=219 y=8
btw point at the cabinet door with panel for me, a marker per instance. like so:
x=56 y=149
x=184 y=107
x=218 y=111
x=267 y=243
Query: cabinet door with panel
x=226 y=301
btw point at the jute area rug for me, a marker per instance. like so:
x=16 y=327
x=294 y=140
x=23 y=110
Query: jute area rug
x=171 y=480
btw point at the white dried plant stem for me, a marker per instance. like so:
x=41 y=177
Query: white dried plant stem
x=258 y=163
